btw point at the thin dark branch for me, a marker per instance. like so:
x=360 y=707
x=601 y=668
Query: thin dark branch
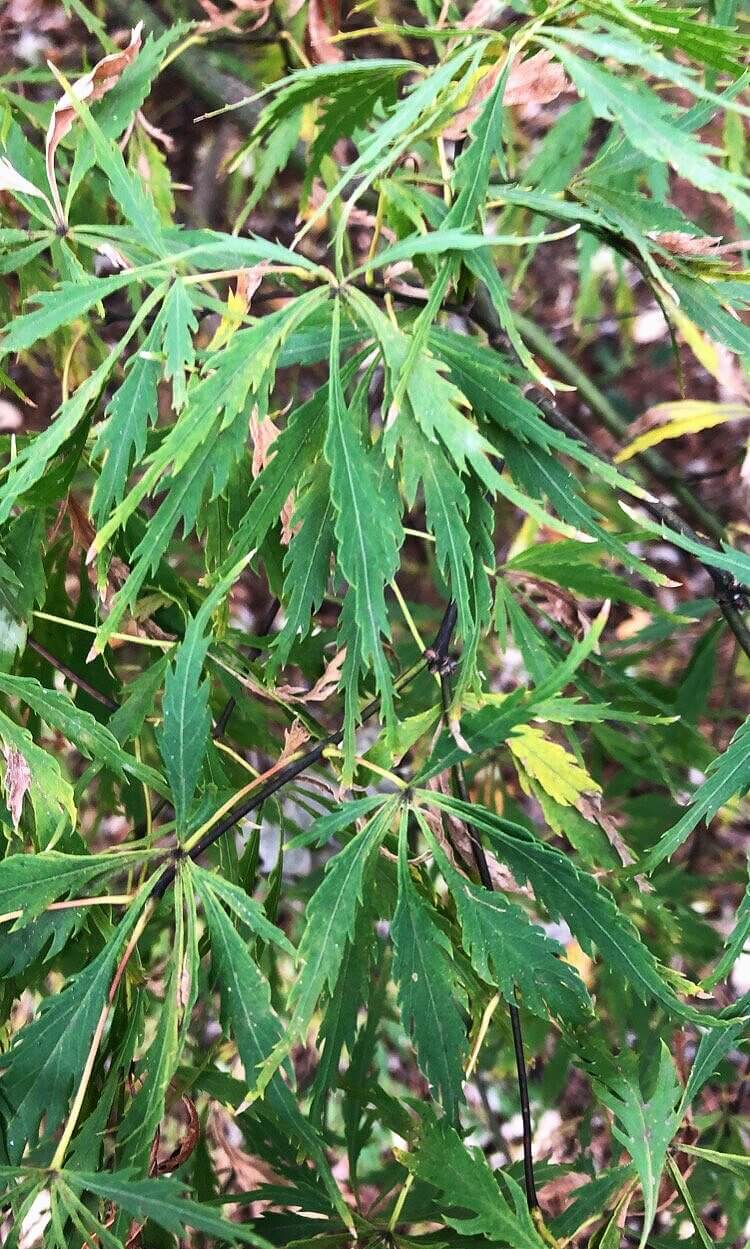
x=725 y=587
x=75 y=677
x=275 y=783
x=225 y=715
x=458 y=777
x=294 y=768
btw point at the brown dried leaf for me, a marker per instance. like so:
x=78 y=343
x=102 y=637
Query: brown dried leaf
x=680 y=244
x=16 y=783
x=35 y=1221
x=89 y=88
x=482 y=13
x=452 y=835
x=294 y=737
x=264 y=434
x=590 y=807
x=217 y=20
x=319 y=31
x=159 y=136
x=235 y=1169
x=186 y=1144
x=325 y=685
x=537 y=80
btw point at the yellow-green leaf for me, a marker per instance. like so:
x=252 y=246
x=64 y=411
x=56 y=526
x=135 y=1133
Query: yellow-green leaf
x=551 y=765
x=685 y=416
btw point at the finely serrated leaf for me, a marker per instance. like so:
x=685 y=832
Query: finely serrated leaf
x=465 y=1182
x=644 y=1126
x=29 y=882
x=428 y=989
x=40 y=1069
x=368 y=530
x=183 y=734
x=91 y=738
x=248 y=1015
x=557 y=771
x=330 y=918
x=728 y=775
x=588 y=908
x=162 y=1201
x=180 y=324
x=509 y=951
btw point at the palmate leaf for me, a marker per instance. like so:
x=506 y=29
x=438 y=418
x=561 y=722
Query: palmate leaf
x=429 y=994
x=648 y=124
x=645 y=1126
x=248 y=1016
x=40 y=1070
x=472 y=169
x=329 y=82
x=203 y=478
x=183 y=734
x=42 y=938
x=180 y=324
x=163 y=1202
x=307 y=564
x=31 y=463
x=714 y=1046
x=215 y=401
x=588 y=908
x=121 y=439
x=139 y=1124
x=338 y=1025
x=58 y=307
x=51 y=794
x=128 y=190
x=29 y=882
x=507 y=950
x=466 y=1184
x=296 y=448
x=728 y=775
x=93 y=739
x=411 y=116
x=557 y=771
x=330 y=920
x=368 y=533
x=735 y=942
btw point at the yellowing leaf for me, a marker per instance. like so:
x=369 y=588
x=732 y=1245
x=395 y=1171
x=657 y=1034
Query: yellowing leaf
x=704 y=349
x=551 y=765
x=685 y=416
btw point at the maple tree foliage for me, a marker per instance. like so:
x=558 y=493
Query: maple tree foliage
x=365 y=709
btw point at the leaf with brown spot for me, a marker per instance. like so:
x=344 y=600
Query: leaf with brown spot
x=89 y=88
x=16 y=783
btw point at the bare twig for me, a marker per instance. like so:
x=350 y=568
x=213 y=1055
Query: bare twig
x=439 y=661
